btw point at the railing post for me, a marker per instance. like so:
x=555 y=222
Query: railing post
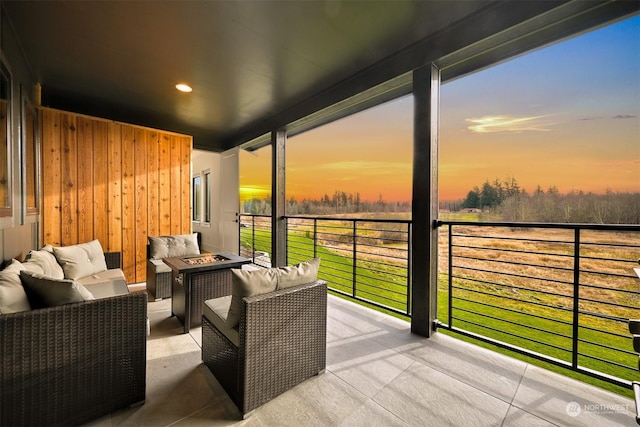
x=409 y=268
x=240 y=235
x=253 y=238
x=315 y=237
x=354 y=259
x=576 y=297
x=286 y=241
x=450 y=262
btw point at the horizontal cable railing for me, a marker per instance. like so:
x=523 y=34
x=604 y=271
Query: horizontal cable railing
x=561 y=293
x=365 y=259
x=255 y=239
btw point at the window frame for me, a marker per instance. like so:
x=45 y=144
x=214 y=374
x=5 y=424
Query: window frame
x=196 y=198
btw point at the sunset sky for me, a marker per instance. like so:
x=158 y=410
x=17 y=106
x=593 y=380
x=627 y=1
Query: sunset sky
x=566 y=115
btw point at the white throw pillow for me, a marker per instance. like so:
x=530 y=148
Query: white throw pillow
x=13 y=298
x=44 y=262
x=81 y=260
x=247 y=283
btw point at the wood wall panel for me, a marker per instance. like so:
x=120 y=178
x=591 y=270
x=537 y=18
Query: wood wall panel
x=175 y=178
x=153 y=183
x=51 y=178
x=69 y=168
x=128 y=203
x=141 y=218
x=114 y=182
x=164 y=226
x=185 y=150
x=100 y=182
x=85 y=168
x=114 y=176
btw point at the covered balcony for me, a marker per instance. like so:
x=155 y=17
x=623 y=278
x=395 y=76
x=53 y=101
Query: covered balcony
x=430 y=321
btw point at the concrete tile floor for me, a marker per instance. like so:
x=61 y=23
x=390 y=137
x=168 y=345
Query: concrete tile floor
x=378 y=374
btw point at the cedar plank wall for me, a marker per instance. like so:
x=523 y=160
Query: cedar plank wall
x=114 y=182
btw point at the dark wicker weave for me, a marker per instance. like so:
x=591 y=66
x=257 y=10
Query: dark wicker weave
x=283 y=341
x=73 y=363
x=209 y=285
x=158 y=284
x=113 y=259
x=188 y=297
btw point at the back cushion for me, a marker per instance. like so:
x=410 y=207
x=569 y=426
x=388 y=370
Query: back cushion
x=176 y=245
x=13 y=298
x=247 y=283
x=81 y=260
x=43 y=262
x=299 y=274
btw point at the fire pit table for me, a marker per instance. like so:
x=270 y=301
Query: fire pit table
x=197 y=278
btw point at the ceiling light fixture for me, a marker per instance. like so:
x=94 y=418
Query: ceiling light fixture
x=183 y=87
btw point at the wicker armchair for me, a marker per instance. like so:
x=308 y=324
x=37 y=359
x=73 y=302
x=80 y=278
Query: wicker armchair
x=73 y=363
x=159 y=275
x=282 y=342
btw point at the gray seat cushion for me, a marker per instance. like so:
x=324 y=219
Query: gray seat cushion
x=216 y=311
x=159 y=266
x=106 y=284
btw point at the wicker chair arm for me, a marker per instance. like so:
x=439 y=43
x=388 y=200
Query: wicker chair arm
x=90 y=355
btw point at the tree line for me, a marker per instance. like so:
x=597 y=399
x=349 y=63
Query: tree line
x=500 y=200
x=340 y=202
x=506 y=201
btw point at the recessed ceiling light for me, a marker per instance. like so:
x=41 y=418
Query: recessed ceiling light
x=183 y=87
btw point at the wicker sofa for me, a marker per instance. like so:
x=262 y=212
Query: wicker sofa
x=279 y=342
x=73 y=363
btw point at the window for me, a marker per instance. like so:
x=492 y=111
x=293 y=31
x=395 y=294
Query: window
x=202 y=197
x=29 y=127
x=255 y=181
x=5 y=142
x=207 y=197
x=197 y=198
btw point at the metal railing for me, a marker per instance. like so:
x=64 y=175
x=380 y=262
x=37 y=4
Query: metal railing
x=365 y=259
x=255 y=238
x=560 y=293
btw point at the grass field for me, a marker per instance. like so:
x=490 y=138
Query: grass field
x=514 y=289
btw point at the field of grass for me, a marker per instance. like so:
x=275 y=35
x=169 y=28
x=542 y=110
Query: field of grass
x=490 y=299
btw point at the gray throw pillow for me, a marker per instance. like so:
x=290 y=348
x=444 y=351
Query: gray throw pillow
x=247 y=283
x=176 y=245
x=81 y=260
x=46 y=291
x=299 y=274
x=13 y=298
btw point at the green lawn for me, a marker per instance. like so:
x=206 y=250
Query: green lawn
x=385 y=284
